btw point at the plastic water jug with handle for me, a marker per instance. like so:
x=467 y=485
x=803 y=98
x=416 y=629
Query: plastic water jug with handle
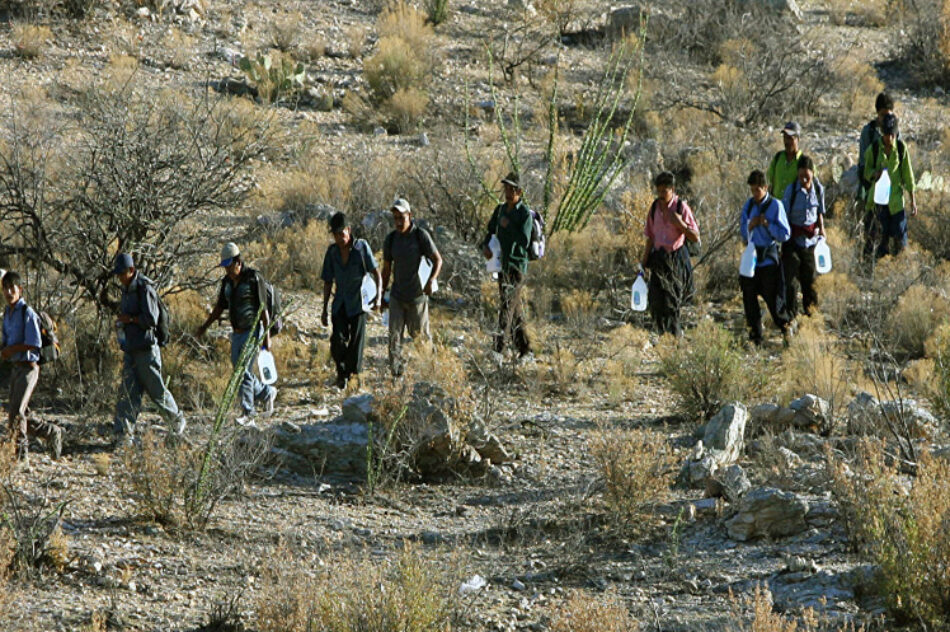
x=266 y=366
x=748 y=262
x=638 y=294
x=882 y=189
x=822 y=257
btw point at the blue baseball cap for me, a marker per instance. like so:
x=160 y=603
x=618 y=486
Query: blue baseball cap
x=123 y=262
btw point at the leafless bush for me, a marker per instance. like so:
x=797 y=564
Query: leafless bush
x=923 y=40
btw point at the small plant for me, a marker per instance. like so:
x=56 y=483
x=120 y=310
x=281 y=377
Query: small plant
x=101 y=462
x=29 y=41
x=31 y=532
x=637 y=467
x=276 y=76
x=285 y=32
x=705 y=371
x=581 y=613
x=436 y=11
x=919 y=312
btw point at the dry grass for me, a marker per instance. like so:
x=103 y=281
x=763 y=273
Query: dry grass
x=30 y=41
x=294 y=255
x=285 y=31
x=859 y=84
x=918 y=313
x=839 y=299
x=900 y=525
x=624 y=350
x=936 y=382
x=600 y=613
x=179 y=49
x=706 y=370
x=637 y=467
x=101 y=463
x=405 y=592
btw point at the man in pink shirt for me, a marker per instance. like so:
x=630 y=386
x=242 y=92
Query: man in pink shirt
x=670 y=224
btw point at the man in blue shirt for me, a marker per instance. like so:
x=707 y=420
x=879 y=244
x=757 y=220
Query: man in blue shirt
x=142 y=358
x=764 y=223
x=22 y=342
x=346 y=263
x=804 y=203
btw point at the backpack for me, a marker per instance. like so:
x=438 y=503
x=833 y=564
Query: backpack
x=163 y=334
x=537 y=244
x=694 y=248
x=49 y=343
x=274 y=306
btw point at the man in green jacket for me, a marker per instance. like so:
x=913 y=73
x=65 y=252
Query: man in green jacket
x=511 y=222
x=890 y=154
x=783 y=169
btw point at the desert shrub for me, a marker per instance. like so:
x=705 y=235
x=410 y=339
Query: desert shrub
x=917 y=314
x=838 y=297
x=706 y=370
x=581 y=613
x=285 y=31
x=859 y=85
x=624 y=353
x=937 y=349
x=408 y=593
x=31 y=539
x=637 y=468
x=29 y=40
x=293 y=254
x=930 y=228
x=813 y=364
x=400 y=66
x=902 y=526
x=163 y=478
x=924 y=41
x=436 y=11
x=580 y=310
x=178 y=49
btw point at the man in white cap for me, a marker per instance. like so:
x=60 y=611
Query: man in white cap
x=137 y=329
x=242 y=293
x=403 y=250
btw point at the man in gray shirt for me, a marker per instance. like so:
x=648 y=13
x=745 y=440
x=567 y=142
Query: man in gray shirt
x=403 y=250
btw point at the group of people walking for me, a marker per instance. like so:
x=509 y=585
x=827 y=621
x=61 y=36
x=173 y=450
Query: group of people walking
x=784 y=220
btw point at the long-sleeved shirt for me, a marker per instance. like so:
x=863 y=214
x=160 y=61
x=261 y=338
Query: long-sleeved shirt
x=776 y=232
x=139 y=300
x=513 y=227
x=870 y=134
x=899 y=171
x=664 y=234
x=782 y=172
x=21 y=326
x=802 y=208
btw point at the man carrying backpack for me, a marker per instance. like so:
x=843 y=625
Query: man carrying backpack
x=763 y=222
x=870 y=134
x=403 y=250
x=137 y=328
x=804 y=203
x=345 y=264
x=890 y=154
x=22 y=342
x=783 y=169
x=243 y=292
x=670 y=224
x=512 y=222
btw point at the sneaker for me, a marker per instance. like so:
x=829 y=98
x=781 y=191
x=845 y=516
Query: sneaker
x=496 y=358
x=56 y=443
x=527 y=359
x=182 y=424
x=245 y=420
x=269 y=402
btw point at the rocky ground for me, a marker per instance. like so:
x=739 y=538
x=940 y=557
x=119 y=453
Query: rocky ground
x=528 y=527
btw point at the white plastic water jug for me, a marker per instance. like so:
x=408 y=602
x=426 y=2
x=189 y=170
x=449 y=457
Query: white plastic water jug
x=266 y=367
x=638 y=294
x=748 y=262
x=425 y=270
x=822 y=257
x=494 y=264
x=882 y=189
x=368 y=292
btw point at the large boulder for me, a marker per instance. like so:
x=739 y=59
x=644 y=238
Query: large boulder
x=730 y=483
x=866 y=413
x=336 y=447
x=779 y=6
x=811 y=412
x=623 y=21
x=768 y=512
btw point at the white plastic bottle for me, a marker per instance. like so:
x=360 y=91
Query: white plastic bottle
x=368 y=292
x=494 y=264
x=266 y=366
x=882 y=189
x=748 y=262
x=638 y=294
x=822 y=256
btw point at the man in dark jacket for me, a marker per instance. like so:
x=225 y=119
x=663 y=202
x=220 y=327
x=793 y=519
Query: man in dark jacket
x=242 y=293
x=142 y=358
x=511 y=222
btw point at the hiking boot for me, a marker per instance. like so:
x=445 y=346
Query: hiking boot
x=527 y=359
x=182 y=424
x=340 y=382
x=269 y=402
x=245 y=420
x=56 y=443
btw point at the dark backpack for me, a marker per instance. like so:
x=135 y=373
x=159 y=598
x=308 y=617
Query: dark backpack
x=163 y=333
x=274 y=306
x=694 y=248
x=49 y=343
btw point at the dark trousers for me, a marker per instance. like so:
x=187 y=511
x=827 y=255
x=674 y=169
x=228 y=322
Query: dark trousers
x=769 y=284
x=670 y=287
x=893 y=227
x=346 y=343
x=799 y=267
x=511 y=312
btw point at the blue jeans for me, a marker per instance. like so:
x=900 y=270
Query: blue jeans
x=142 y=373
x=252 y=389
x=892 y=227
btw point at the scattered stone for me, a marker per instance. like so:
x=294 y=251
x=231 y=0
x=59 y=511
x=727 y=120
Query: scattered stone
x=379 y=131
x=725 y=433
x=334 y=447
x=476 y=583
x=518 y=585
x=798 y=564
x=768 y=512
x=779 y=6
x=358 y=409
x=811 y=411
x=705 y=507
x=790 y=460
x=730 y=483
x=623 y=21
